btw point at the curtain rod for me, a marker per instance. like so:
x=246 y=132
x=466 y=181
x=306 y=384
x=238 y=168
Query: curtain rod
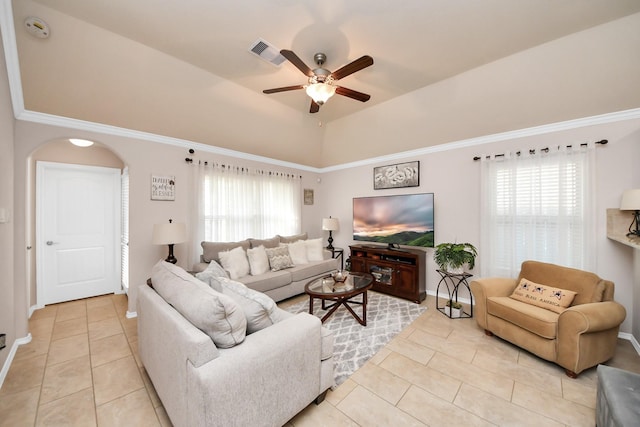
x=546 y=150
x=189 y=160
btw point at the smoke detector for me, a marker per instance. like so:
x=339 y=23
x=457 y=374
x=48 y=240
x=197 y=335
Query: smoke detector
x=37 y=27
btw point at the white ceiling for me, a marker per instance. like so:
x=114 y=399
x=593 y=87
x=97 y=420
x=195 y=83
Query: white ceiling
x=414 y=43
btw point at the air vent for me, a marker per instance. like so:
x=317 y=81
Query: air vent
x=267 y=51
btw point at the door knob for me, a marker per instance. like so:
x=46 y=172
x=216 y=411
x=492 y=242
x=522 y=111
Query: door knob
x=49 y=243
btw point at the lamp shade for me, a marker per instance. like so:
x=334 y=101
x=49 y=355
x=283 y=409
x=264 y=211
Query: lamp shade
x=330 y=224
x=169 y=234
x=630 y=200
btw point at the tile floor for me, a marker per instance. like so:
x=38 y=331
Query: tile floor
x=82 y=368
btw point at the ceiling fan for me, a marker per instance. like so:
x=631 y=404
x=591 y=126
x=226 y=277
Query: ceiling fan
x=321 y=84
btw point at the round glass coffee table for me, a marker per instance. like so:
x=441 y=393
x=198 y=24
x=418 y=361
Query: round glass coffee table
x=334 y=294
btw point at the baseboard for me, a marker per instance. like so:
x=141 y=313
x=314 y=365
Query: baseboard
x=446 y=297
x=131 y=314
x=34 y=308
x=628 y=336
x=12 y=353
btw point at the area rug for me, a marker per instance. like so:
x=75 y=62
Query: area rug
x=354 y=344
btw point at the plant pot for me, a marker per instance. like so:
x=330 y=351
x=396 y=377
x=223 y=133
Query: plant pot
x=454 y=313
x=457 y=270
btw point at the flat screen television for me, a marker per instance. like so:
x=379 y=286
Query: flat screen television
x=405 y=219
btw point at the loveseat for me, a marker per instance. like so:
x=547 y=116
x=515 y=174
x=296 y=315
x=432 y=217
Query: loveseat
x=231 y=357
x=307 y=260
x=564 y=315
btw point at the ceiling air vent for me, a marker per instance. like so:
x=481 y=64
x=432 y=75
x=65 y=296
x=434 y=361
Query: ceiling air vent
x=268 y=52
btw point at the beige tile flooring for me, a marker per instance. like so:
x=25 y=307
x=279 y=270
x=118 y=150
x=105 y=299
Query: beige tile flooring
x=82 y=368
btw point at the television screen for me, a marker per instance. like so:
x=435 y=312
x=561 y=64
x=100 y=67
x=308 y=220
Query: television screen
x=405 y=219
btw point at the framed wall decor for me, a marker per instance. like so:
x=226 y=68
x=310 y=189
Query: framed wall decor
x=396 y=176
x=308 y=196
x=163 y=187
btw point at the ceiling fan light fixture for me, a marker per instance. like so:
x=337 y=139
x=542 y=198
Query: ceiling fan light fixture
x=320 y=92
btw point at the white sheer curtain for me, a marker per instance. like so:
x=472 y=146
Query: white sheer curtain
x=538 y=206
x=234 y=203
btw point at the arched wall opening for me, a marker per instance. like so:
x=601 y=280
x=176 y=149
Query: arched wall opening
x=59 y=150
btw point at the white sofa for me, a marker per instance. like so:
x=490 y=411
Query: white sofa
x=262 y=379
x=279 y=284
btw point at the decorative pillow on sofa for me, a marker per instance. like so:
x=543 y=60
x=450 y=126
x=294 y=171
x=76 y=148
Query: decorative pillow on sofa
x=260 y=310
x=279 y=258
x=210 y=274
x=235 y=262
x=298 y=252
x=216 y=314
x=554 y=299
x=315 y=251
x=258 y=260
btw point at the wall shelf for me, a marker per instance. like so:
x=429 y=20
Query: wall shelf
x=618 y=226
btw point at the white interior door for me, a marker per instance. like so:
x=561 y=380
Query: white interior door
x=77 y=231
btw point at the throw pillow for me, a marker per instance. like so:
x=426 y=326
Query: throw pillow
x=216 y=314
x=210 y=275
x=315 y=251
x=554 y=299
x=259 y=309
x=298 y=252
x=235 y=262
x=279 y=258
x=258 y=261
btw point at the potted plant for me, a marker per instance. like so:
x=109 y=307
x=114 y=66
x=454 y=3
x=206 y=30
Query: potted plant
x=452 y=257
x=453 y=308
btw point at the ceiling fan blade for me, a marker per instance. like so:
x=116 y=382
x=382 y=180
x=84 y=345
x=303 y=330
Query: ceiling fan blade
x=363 y=97
x=357 y=65
x=283 y=89
x=314 y=107
x=295 y=60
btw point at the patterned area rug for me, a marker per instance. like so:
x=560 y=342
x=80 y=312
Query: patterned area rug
x=355 y=344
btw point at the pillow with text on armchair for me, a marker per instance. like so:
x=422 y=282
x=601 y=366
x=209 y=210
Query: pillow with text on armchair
x=561 y=314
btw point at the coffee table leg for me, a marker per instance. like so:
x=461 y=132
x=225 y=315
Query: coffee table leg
x=364 y=308
x=310 y=304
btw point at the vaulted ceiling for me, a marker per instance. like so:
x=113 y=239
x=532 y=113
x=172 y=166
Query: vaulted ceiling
x=182 y=68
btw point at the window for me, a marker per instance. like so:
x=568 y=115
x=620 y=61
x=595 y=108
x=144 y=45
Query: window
x=236 y=203
x=539 y=207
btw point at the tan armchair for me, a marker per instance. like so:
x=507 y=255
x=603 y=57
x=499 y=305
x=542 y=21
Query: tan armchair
x=576 y=338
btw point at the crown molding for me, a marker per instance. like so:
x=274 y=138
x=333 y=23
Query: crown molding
x=10 y=47
x=503 y=136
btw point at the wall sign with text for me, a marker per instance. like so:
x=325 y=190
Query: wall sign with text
x=163 y=187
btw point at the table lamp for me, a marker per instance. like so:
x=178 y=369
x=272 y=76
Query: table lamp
x=169 y=234
x=631 y=202
x=330 y=225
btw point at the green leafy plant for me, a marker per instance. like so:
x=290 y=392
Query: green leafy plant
x=452 y=256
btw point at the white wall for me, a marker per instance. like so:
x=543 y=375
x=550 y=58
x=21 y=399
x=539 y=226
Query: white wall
x=454 y=178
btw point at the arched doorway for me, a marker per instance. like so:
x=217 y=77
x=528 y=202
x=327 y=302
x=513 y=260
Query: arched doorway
x=75 y=161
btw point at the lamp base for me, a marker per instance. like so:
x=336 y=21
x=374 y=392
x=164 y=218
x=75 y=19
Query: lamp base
x=330 y=240
x=171 y=258
x=636 y=221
